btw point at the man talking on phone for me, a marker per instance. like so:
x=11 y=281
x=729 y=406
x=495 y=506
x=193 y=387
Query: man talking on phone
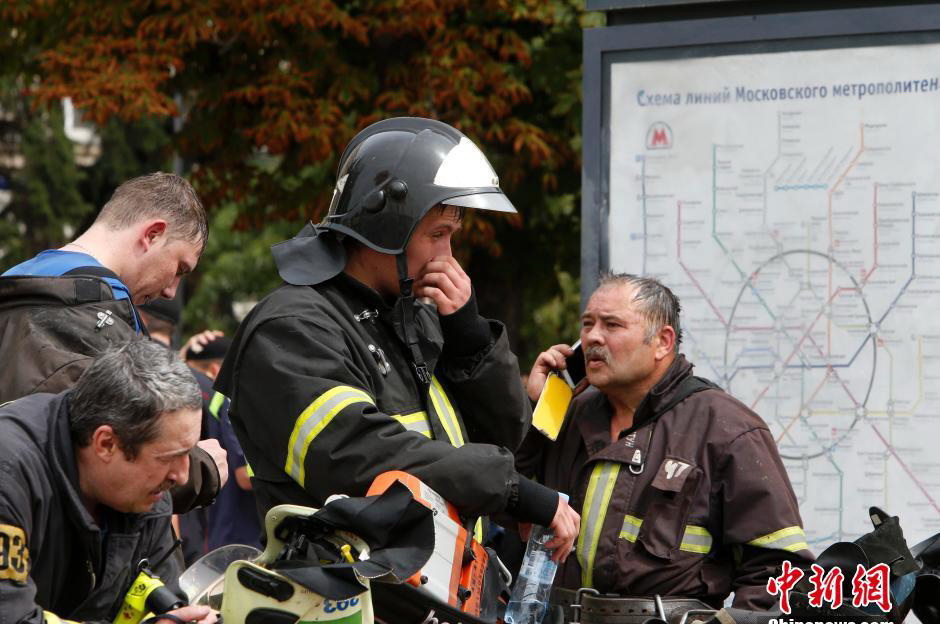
x=680 y=487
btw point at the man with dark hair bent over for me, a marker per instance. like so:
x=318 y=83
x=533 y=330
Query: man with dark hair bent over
x=83 y=487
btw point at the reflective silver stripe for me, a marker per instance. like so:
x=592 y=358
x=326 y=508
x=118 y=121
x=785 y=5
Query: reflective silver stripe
x=417 y=422
x=790 y=539
x=631 y=528
x=313 y=420
x=696 y=539
x=596 y=500
x=445 y=413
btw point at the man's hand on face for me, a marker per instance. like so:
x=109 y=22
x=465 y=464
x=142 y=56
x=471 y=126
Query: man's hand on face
x=565 y=527
x=218 y=455
x=546 y=362
x=444 y=281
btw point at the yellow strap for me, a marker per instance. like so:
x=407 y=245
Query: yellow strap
x=313 y=420
x=445 y=413
x=600 y=487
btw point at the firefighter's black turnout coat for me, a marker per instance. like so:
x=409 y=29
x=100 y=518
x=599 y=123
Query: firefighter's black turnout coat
x=324 y=398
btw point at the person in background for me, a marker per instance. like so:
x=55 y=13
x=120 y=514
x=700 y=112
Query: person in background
x=161 y=318
x=232 y=519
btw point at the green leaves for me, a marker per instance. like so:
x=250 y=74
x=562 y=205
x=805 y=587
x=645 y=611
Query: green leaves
x=46 y=203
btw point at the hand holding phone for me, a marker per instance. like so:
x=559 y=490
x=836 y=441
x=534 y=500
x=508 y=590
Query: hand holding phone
x=555 y=379
x=575 y=369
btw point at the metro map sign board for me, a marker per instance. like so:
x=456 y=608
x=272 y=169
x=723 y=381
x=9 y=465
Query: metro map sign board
x=789 y=193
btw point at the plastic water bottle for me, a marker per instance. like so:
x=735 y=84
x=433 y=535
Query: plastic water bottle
x=529 y=599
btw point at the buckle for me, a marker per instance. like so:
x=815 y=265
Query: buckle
x=421 y=370
x=576 y=605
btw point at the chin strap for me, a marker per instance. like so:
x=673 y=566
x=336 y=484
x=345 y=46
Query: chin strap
x=407 y=303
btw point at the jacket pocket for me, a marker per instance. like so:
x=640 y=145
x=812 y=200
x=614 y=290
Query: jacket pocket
x=664 y=529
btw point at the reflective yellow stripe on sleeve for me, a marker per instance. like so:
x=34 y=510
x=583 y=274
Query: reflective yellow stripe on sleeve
x=445 y=413
x=596 y=500
x=790 y=539
x=313 y=420
x=417 y=422
x=695 y=539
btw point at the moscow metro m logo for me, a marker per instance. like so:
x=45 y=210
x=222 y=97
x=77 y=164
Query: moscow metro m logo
x=659 y=136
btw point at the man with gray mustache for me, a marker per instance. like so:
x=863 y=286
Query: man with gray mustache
x=680 y=487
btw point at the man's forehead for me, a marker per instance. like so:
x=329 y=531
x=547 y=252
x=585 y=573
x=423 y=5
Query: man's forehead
x=443 y=213
x=188 y=252
x=177 y=426
x=613 y=297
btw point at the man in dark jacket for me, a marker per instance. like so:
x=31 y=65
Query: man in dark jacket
x=83 y=486
x=150 y=233
x=232 y=519
x=342 y=374
x=681 y=489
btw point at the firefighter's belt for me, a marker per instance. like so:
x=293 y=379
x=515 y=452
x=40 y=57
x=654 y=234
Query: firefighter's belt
x=610 y=609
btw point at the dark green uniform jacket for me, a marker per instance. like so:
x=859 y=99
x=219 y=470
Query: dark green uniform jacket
x=53 y=557
x=324 y=398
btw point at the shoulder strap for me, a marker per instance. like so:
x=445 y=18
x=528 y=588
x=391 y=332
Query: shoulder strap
x=18 y=290
x=94 y=271
x=100 y=271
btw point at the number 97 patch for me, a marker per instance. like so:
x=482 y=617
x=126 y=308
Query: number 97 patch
x=14 y=556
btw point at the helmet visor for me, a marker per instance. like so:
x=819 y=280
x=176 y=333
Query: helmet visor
x=482 y=201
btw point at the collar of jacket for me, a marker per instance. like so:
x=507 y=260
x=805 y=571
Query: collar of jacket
x=594 y=422
x=430 y=338
x=64 y=463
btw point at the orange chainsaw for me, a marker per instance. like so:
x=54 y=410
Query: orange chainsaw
x=461 y=582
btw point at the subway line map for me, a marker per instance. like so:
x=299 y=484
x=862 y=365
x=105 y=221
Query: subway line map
x=792 y=201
